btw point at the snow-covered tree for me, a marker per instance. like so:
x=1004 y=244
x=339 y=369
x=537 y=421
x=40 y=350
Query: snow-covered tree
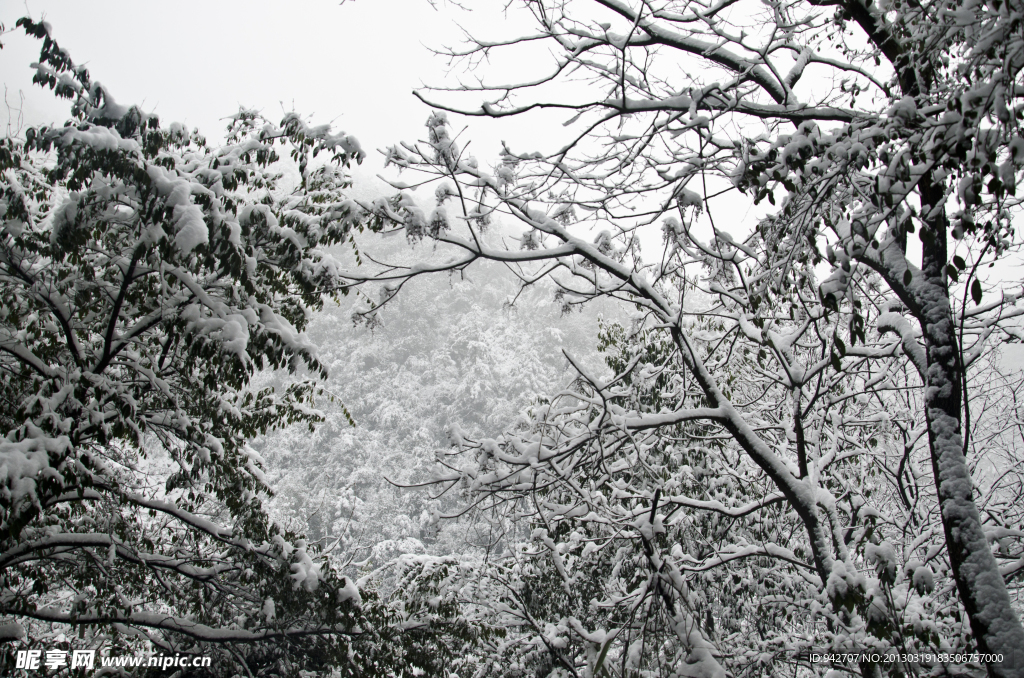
x=887 y=137
x=145 y=277
x=727 y=540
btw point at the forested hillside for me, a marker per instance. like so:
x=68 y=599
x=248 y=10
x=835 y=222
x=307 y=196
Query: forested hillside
x=450 y=354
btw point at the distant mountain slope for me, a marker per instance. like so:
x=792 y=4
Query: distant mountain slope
x=450 y=352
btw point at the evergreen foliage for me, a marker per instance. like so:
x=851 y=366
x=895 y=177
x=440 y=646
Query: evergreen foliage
x=145 y=277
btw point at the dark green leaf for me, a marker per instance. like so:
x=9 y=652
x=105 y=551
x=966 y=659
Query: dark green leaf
x=839 y=345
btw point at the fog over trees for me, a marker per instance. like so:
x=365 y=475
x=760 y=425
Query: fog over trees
x=716 y=387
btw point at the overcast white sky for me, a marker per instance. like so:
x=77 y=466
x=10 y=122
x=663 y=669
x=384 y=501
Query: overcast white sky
x=196 y=62
x=353 y=64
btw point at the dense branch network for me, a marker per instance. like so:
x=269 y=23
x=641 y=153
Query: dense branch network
x=819 y=361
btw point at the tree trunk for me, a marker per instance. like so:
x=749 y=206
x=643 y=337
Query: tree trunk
x=982 y=590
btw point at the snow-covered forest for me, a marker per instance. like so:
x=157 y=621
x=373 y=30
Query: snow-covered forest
x=451 y=357
x=719 y=378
